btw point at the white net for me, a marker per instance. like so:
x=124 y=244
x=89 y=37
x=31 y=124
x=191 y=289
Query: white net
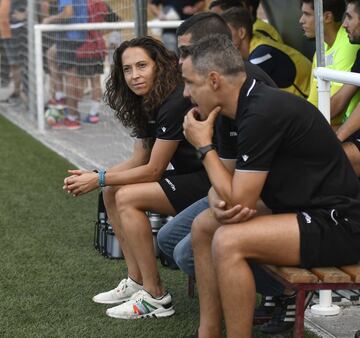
x=74 y=72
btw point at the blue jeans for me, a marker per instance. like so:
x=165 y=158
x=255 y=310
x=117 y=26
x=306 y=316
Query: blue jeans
x=174 y=239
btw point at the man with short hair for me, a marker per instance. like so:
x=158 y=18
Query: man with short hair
x=340 y=54
x=287 y=155
x=175 y=238
x=349 y=131
x=260 y=26
x=286 y=66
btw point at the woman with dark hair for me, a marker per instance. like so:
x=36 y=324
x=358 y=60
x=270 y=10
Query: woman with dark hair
x=146 y=91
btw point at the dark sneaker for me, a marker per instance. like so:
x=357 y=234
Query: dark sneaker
x=264 y=312
x=283 y=318
x=93 y=119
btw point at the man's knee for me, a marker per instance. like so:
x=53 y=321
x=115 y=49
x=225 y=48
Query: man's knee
x=123 y=198
x=164 y=242
x=224 y=246
x=202 y=228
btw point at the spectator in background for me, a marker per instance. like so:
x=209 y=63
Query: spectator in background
x=259 y=25
x=349 y=131
x=289 y=69
x=174 y=10
x=57 y=100
x=340 y=54
x=14 y=35
x=70 y=11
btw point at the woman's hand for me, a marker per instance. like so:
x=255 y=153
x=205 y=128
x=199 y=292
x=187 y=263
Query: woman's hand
x=80 y=182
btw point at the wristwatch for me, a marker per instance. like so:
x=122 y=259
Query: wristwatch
x=202 y=151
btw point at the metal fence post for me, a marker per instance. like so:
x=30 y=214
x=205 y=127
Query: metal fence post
x=31 y=20
x=140 y=8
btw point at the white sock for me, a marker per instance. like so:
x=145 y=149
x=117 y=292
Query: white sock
x=94 y=108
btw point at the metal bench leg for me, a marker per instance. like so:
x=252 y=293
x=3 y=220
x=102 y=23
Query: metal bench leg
x=299 y=315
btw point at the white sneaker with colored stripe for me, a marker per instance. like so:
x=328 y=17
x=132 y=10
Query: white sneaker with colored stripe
x=122 y=293
x=143 y=305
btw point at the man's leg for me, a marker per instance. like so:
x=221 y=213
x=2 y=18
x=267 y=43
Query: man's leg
x=204 y=227
x=174 y=238
x=233 y=246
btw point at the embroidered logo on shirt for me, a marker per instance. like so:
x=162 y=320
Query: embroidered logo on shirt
x=245 y=157
x=163 y=129
x=172 y=185
x=233 y=133
x=307 y=217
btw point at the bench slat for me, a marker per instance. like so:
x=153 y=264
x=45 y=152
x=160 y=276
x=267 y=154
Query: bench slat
x=331 y=275
x=353 y=271
x=294 y=275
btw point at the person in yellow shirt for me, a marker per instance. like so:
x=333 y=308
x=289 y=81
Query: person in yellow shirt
x=260 y=26
x=287 y=67
x=340 y=54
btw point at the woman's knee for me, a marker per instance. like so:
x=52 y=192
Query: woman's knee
x=123 y=199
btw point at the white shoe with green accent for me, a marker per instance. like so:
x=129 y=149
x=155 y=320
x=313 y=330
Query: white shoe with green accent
x=143 y=305
x=122 y=293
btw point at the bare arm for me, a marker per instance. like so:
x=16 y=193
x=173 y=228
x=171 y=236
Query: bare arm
x=197 y=7
x=156 y=10
x=66 y=14
x=341 y=99
x=350 y=126
x=123 y=174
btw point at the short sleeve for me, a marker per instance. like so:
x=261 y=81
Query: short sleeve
x=226 y=138
x=259 y=138
x=356 y=66
x=170 y=118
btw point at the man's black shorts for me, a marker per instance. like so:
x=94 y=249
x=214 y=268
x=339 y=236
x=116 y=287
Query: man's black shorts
x=185 y=189
x=355 y=139
x=327 y=240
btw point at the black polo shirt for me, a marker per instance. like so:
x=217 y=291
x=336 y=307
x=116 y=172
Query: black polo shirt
x=227 y=145
x=167 y=125
x=286 y=136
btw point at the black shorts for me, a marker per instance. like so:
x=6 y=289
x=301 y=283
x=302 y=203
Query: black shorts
x=327 y=240
x=355 y=139
x=184 y=189
x=66 y=54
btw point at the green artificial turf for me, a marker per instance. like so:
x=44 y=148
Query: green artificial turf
x=49 y=270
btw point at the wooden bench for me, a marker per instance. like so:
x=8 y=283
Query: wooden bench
x=302 y=281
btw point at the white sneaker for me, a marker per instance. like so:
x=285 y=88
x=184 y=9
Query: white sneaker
x=143 y=305
x=122 y=293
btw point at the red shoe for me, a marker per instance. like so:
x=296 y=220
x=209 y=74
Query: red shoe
x=73 y=125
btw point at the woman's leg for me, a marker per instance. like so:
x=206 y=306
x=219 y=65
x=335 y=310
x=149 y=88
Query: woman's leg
x=132 y=266
x=132 y=202
x=271 y=239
